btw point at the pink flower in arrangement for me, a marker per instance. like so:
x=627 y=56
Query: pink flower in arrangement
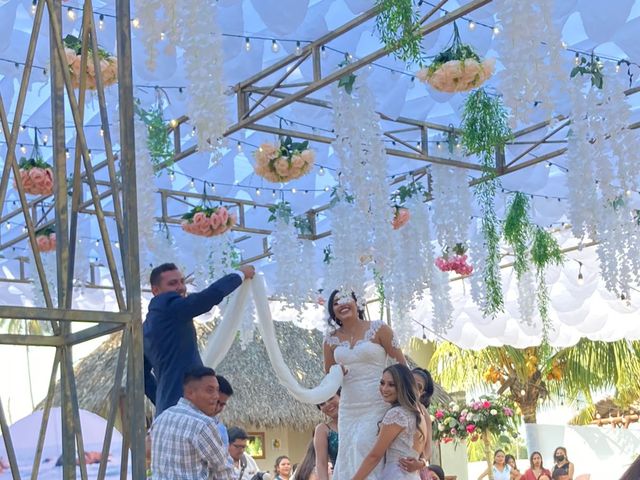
x=454 y=431
x=486 y=404
x=476 y=405
x=508 y=412
x=210 y=223
x=454 y=263
x=272 y=165
x=439 y=414
x=462 y=419
x=400 y=218
x=471 y=428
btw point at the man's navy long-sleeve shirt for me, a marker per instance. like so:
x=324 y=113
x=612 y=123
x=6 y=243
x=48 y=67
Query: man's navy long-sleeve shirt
x=170 y=343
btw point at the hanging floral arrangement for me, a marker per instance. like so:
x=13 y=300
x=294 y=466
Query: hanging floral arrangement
x=108 y=64
x=284 y=162
x=36 y=175
x=458 y=68
x=456 y=262
x=46 y=239
x=400 y=217
x=401 y=214
x=207 y=221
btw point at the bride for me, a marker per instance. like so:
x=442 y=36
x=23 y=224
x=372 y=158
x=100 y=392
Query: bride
x=363 y=349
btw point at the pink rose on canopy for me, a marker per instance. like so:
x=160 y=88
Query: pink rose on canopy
x=268 y=150
x=43 y=243
x=200 y=218
x=400 y=218
x=282 y=166
x=36 y=174
x=297 y=162
x=214 y=221
x=308 y=156
x=223 y=214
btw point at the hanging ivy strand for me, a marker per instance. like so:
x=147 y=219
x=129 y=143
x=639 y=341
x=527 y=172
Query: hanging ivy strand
x=591 y=67
x=545 y=251
x=458 y=68
x=398 y=25
x=517 y=230
x=158 y=140
x=485 y=125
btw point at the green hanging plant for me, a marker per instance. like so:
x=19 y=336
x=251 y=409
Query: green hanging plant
x=591 y=66
x=347 y=82
x=158 y=140
x=545 y=251
x=282 y=211
x=484 y=129
x=398 y=26
x=380 y=291
x=517 y=231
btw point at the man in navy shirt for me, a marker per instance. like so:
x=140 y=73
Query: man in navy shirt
x=170 y=343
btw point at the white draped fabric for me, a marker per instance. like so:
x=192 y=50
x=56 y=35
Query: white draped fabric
x=222 y=338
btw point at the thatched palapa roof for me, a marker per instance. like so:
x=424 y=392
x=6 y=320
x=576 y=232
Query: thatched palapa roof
x=259 y=400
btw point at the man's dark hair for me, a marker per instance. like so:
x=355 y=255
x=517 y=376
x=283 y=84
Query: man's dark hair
x=197 y=373
x=236 y=433
x=156 y=273
x=225 y=386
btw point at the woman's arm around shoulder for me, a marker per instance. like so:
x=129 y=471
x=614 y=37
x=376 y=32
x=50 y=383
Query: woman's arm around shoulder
x=390 y=344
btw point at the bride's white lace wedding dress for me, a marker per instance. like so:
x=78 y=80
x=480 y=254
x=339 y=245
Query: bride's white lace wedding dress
x=361 y=406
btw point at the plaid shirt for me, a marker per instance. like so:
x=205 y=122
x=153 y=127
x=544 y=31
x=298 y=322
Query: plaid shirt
x=186 y=445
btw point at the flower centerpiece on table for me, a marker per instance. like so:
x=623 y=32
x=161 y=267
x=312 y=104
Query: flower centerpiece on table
x=36 y=175
x=456 y=262
x=449 y=424
x=46 y=239
x=208 y=221
x=457 y=68
x=283 y=162
x=108 y=64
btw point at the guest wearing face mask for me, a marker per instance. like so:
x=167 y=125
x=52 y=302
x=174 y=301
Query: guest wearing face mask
x=563 y=468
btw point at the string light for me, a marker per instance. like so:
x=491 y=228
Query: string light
x=258 y=192
x=323 y=51
x=239 y=147
x=117 y=244
x=617 y=67
x=23 y=149
x=326 y=189
x=97 y=243
x=472 y=25
x=298 y=48
x=71 y=14
x=173 y=123
x=273 y=193
x=496 y=30
x=275 y=48
x=321 y=171
x=135 y=23
x=8 y=225
x=171 y=176
x=293 y=190
x=247 y=44
x=192 y=183
x=580 y=276
x=34 y=6
x=161 y=35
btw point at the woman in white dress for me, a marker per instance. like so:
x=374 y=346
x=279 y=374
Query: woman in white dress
x=363 y=349
x=403 y=429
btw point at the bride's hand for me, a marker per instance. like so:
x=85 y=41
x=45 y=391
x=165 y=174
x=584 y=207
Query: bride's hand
x=410 y=464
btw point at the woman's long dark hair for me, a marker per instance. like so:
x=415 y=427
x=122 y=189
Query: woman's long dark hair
x=531 y=459
x=308 y=463
x=633 y=472
x=429 y=386
x=333 y=321
x=406 y=390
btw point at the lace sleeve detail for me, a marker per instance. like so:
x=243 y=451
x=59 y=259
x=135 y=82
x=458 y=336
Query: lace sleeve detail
x=373 y=329
x=396 y=416
x=330 y=339
x=394 y=340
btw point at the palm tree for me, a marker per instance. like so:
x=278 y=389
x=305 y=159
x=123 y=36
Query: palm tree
x=533 y=375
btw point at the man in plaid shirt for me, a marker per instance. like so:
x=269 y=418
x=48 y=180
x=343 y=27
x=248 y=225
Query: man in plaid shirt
x=185 y=440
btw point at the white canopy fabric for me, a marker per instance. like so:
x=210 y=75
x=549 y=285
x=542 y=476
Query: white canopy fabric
x=610 y=29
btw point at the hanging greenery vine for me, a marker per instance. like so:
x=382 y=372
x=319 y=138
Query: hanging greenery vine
x=398 y=25
x=517 y=231
x=485 y=128
x=545 y=251
x=158 y=140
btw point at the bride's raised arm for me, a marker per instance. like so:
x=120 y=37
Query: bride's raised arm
x=389 y=343
x=329 y=359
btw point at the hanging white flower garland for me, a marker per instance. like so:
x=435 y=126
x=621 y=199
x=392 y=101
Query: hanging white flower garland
x=534 y=68
x=451 y=206
x=363 y=165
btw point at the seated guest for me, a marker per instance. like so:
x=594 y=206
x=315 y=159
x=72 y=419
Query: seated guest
x=244 y=466
x=185 y=440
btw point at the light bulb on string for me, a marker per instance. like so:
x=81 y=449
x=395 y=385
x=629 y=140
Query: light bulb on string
x=192 y=183
x=576 y=60
x=100 y=22
x=293 y=191
x=298 y=48
x=171 y=176
x=8 y=225
x=321 y=171
x=323 y=51
x=275 y=48
x=117 y=245
x=273 y=193
x=326 y=189
x=34 y=6
x=23 y=149
x=135 y=23
x=496 y=30
x=97 y=243
x=247 y=44
x=71 y=14
x=617 y=67
x=258 y=192
x=472 y=25
x=239 y=147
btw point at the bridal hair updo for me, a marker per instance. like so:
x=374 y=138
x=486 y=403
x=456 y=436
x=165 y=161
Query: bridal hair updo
x=333 y=321
x=406 y=390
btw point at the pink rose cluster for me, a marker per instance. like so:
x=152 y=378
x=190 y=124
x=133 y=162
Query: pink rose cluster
x=400 y=218
x=37 y=181
x=46 y=243
x=458 y=75
x=454 y=263
x=108 y=69
x=275 y=167
x=210 y=224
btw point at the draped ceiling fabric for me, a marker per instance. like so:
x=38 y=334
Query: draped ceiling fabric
x=586 y=310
